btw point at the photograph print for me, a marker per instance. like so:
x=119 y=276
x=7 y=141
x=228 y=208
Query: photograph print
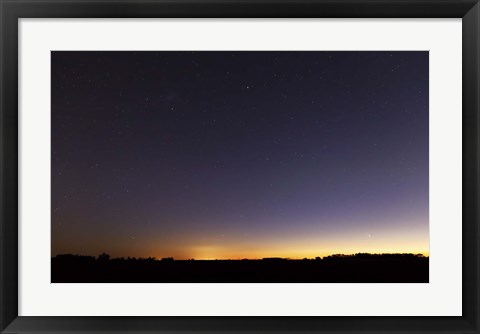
x=240 y=167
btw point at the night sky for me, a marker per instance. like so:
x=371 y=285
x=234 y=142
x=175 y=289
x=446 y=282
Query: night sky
x=227 y=155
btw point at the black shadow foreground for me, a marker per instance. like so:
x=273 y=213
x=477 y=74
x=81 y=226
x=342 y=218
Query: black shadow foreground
x=358 y=268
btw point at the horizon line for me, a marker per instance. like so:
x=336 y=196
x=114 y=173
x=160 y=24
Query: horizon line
x=424 y=254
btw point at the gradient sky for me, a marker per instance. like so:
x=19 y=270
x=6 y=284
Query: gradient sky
x=214 y=155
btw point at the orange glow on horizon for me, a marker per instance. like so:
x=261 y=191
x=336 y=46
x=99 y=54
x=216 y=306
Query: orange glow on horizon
x=234 y=245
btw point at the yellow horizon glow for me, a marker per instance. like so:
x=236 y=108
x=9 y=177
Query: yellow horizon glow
x=425 y=254
x=290 y=252
x=234 y=245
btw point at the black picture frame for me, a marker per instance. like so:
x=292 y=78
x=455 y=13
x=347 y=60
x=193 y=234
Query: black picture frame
x=12 y=10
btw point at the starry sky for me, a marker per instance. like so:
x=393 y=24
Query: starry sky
x=228 y=155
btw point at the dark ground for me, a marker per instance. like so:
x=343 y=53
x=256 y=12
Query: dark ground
x=360 y=268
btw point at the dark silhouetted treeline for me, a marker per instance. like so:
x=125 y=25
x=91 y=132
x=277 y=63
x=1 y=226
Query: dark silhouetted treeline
x=338 y=268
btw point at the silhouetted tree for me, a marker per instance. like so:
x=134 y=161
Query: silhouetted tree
x=103 y=257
